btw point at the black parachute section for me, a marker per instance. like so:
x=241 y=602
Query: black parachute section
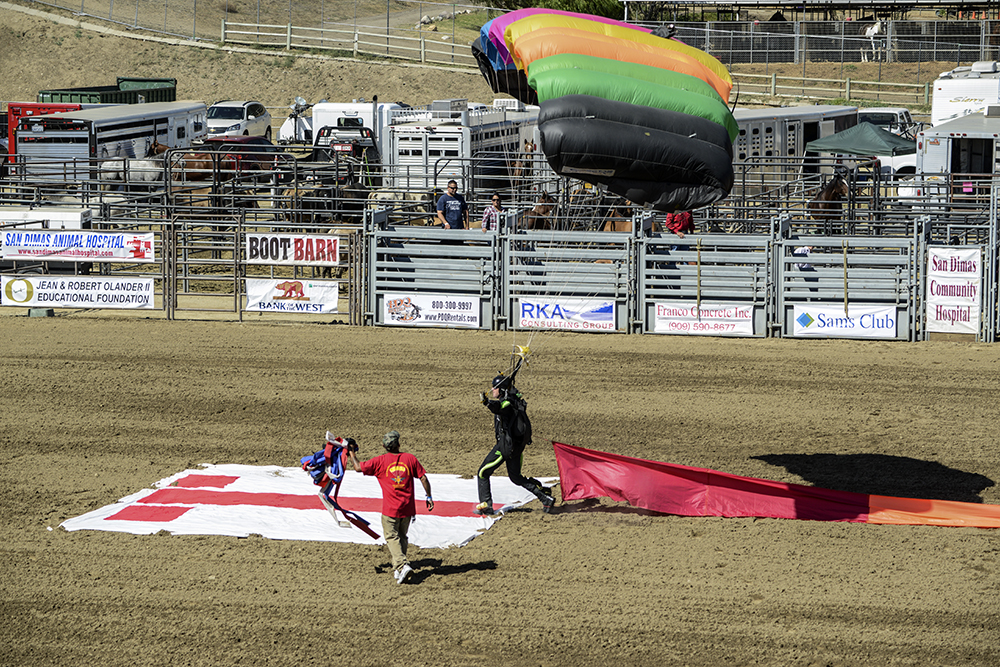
x=669 y=160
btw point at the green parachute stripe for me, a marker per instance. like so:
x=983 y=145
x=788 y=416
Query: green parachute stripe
x=558 y=83
x=658 y=75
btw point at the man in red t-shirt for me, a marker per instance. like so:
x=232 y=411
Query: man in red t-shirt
x=395 y=472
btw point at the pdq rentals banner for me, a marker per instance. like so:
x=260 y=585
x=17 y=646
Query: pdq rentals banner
x=572 y=314
x=293 y=249
x=77 y=292
x=954 y=289
x=431 y=310
x=711 y=319
x=78 y=245
x=829 y=321
x=293 y=296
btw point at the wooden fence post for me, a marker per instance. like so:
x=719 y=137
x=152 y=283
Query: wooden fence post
x=288 y=37
x=423 y=48
x=223 y=30
x=847 y=88
x=774 y=84
x=355 y=45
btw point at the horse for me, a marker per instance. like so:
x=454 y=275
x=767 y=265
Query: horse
x=871 y=32
x=540 y=217
x=616 y=220
x=521 y=171
x=828 y=204
x=144 y=173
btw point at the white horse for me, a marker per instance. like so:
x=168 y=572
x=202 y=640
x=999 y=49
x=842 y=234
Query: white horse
x=145 y=172
x=871 y=32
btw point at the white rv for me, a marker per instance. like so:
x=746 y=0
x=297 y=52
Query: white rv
x=67 y=145
x=965 y=90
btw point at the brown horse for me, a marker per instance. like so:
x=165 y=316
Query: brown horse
x=540 y=217
x=618 y=219
x=828 y=204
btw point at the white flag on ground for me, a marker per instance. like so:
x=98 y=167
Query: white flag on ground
x=283 y=504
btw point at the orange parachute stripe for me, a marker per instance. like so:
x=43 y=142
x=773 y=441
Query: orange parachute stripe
x=534 y=22
x=915 y=511
x=552 y=41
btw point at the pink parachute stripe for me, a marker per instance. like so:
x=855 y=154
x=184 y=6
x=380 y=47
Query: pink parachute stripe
x=686 y=491
x=500 y=24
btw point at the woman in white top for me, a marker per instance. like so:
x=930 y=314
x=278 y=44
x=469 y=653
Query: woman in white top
x=491 y=216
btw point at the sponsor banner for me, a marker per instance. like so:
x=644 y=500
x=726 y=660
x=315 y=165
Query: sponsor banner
x=293 y=296
x=830 y=321
x=283 y=504
x=710 y=319
x=77 y=246
x=289 y=249
x=569 y=314
x=431 y=310
x=77 y=292
x=954 y=289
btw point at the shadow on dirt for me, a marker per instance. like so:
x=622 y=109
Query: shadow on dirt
x=432 y=567
x=883 y=475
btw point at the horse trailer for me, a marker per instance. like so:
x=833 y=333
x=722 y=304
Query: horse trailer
x=767 y=138
x=66 y=145
x=428 y=147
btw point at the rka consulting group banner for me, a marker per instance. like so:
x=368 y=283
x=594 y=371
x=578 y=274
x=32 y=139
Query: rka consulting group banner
x=954 y=289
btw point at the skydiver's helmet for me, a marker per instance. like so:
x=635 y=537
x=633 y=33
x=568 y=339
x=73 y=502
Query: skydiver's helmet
x=502 y=383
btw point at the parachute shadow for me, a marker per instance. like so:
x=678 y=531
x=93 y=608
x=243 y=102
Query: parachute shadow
x=883 y=475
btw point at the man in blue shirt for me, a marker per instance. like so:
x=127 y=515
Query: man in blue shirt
x=452 y=211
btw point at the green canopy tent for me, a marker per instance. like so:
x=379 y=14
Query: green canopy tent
x=863 y=139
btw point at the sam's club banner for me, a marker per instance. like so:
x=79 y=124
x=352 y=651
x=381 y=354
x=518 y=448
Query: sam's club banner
x=430 y=310
x=830 y=321
x=293 y=249
x=708 y=319
x=571 y=314
x=293 y=296
x=77 y=246
x=77 y=292
x=954 y=289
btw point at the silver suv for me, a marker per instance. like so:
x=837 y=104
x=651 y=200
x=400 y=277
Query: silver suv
x=233 y=118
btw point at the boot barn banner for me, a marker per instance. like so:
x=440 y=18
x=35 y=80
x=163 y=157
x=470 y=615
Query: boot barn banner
x=77 y=292
x=76 y=245
x=954 y=289
x=708 y=319
x=293 y=249
x=293 y=296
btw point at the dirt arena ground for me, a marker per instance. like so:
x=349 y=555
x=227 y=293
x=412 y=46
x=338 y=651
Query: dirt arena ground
x=95 y=408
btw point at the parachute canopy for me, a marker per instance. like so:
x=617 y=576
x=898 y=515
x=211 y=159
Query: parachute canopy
x=645 y=115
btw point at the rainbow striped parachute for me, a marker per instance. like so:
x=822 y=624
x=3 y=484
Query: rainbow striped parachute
x=644 y=115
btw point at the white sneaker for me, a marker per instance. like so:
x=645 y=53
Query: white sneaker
x=395 y=575
x=404 y=573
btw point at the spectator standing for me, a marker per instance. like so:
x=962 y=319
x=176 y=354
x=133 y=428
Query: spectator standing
x=452 y=210
x=395 y=472
x=492 y=214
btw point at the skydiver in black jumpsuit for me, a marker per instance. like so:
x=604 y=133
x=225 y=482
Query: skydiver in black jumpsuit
x=513 y=433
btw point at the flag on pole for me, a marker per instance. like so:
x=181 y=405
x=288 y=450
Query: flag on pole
x=686 y=491
x=283 y=503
